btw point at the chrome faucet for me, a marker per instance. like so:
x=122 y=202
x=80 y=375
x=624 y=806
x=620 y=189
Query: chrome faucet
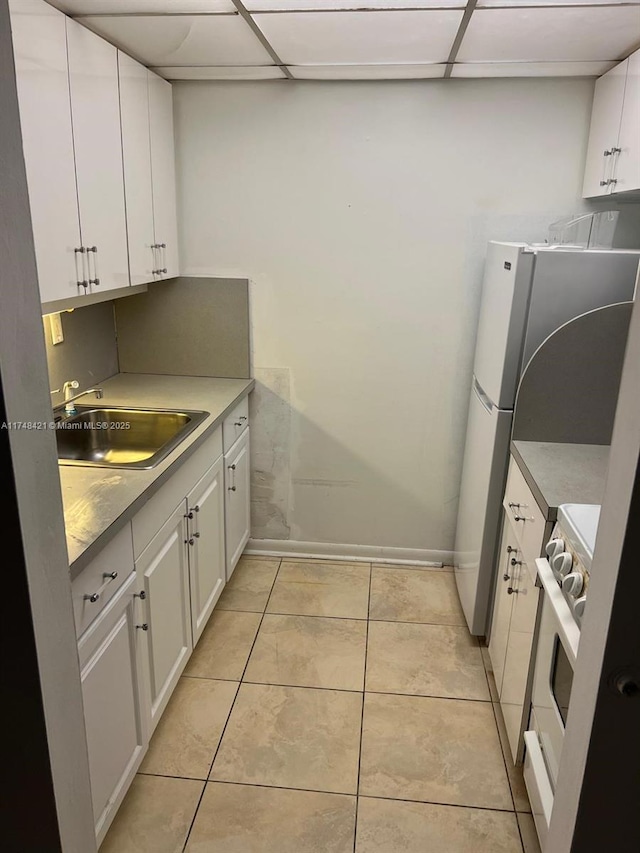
x=69 y=398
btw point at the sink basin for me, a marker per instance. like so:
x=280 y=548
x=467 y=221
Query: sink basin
x=123 y=438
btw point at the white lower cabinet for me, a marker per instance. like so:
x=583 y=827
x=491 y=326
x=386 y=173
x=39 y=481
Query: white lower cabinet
x=113 y=704
x=237 y=503
x=205 y=541
x=503 y=601
x=163 y=585
x=142 y=604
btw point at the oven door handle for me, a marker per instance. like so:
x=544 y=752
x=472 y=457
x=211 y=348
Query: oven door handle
x=566 y=624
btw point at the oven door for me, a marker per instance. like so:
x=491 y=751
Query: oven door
x=556 y=651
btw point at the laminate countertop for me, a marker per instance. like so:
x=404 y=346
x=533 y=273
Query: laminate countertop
x=562 y=473
x=99 y=501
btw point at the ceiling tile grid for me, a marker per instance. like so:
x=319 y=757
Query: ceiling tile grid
x=366 y=39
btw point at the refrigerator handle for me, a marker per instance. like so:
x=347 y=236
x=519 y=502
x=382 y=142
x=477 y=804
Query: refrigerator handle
x=482 y=395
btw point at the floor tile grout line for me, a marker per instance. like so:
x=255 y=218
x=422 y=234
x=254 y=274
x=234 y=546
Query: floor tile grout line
x=224 y=728
x=502 y=751
x=343 y=689
x=352 y=618
x=364 y=685
x=337 y=793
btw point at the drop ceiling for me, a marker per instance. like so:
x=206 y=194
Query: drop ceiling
x=366 y=39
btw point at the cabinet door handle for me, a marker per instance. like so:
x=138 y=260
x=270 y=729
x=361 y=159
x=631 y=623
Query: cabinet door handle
x=95 y=596
x=81 y=277
x=197 y=534
x=511 y=590
x=190 y=541
x=144 y=626
x=141 y=595
x=232 y=488
x=93 y=250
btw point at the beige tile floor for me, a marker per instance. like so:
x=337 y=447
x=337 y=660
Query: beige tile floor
x=330 y=708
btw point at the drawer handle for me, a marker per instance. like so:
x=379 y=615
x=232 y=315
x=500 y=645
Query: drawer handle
x=95 y=596
x=511 y=590
x=518 y=517
x=143 y=627
x=238 y=423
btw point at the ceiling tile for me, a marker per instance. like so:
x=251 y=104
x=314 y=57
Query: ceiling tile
x=492 y=4
x=336 y=38
x=224 y=72
x=366 y=72
x=184 y=40
x=531 y=69
x=333 y=5
x=148 y=7
x=519 y=34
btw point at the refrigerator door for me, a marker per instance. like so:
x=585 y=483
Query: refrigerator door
x=569 y=283
x=483 y=478
x=503 y=311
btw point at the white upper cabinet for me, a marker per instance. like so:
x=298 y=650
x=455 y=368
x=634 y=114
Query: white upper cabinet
x=97 y=131
x=40 y=48
x=628 y=159
x=613 y=155
x=95 y=112
x=136 y=152
x=163 y=175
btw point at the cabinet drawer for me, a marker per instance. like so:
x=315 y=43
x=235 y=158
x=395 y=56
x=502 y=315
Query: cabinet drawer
x=235 y=424
x=148 y=521
x=95 y=580
x=526 y=519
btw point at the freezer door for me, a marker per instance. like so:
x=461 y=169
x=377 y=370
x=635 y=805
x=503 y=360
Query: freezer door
x=503 y=309
x=567 y=284
x=483 y=479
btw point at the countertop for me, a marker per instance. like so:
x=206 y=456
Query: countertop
x=99 y=501
x=562 y=473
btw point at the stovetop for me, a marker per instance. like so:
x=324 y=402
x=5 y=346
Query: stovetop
x=579 y=523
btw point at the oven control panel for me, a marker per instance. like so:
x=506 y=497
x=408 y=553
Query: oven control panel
x=572 y=576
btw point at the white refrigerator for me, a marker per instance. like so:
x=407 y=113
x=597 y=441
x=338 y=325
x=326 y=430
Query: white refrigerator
x=527 y=294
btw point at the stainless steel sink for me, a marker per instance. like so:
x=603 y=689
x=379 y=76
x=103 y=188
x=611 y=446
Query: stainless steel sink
x=123 y=438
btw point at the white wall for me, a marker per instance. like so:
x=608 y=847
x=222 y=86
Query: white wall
x=360 y=212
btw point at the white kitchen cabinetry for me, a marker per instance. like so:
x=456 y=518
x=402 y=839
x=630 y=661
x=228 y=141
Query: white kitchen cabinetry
x=163 y=586
x=205 y=542
x=524 y=534
x=40 y=50
x=627 y=166
x=88 y=115
x=237 y=503
x=95 y=113
x=136 y=154
x=503 y=601
x=613 y=155
x=114 y=719
x=163 y=176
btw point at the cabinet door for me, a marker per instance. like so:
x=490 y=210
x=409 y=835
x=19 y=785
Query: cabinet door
x=95 y=111
x=163 y=578
x=518 y=665
x=206 y=546
x=627 y=167
x=163 y=174
x=237 y=515
x=503 y=601
x=111 y=691
x=40 y=49
x=603 y=133
x=136 y=154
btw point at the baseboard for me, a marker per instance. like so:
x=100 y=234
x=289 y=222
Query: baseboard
x=336 y=551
